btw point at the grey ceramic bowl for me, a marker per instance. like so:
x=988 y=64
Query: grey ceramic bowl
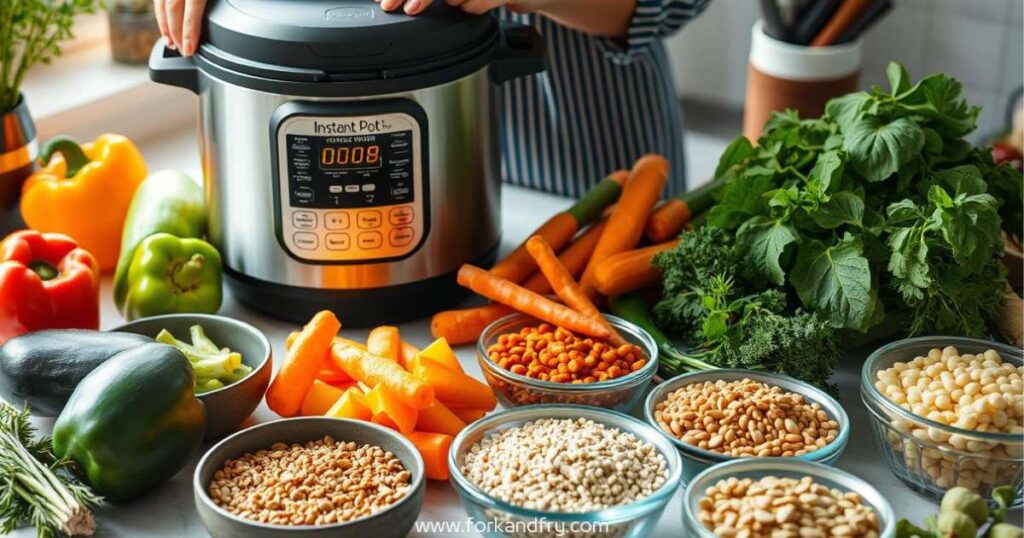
x=227 y=407
x=397 y=520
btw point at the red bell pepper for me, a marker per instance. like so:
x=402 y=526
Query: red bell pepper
x=46 y=282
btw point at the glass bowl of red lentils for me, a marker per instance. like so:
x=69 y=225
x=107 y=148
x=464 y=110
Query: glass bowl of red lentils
x=527 y=362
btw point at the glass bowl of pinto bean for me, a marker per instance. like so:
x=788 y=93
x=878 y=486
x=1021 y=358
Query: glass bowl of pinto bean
x=527 y=361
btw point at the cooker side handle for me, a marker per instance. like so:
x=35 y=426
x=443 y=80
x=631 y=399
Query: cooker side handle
x=167 y=66
x=522 y=52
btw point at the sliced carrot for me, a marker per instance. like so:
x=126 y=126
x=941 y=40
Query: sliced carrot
x=384 y=341
x=442 y=353
x=332 y=376
x=528 y=302
x=574 y=258
x=439 y=419
x=464 y=326
x=433 y=447
x=626 y=223
x=565 y=285
x=303 y=361
x=351 y=405
x=389 y=410
x=469 y=414
x=454 y=388
x=337 y=340
x=405 y=354
x=319 y=398
x=373 y=369
x=631 y=270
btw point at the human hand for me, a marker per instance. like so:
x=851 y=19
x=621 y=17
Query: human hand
x=476 y=7
x=180 y=22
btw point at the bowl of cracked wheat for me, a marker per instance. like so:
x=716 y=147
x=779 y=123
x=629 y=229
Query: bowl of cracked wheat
x=311 y=476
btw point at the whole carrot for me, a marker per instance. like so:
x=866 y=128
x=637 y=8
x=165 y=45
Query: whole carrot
x=302 y=362
x=626 y=223
x=669 y=218
x=465 y=325
x=630 y=271
x=565 y=285
x=528 y=302
x=574 y=258
x=561 y=228
x=384 y=341
x=372 y=369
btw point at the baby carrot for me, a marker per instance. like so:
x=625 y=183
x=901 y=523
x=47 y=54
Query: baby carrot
x=373 y=369
x=574 y=258
x=389 y=410
x=337 y=340
x=468 y=415
x=528 y=302
x=630 y=271
x=302 y=362
x=384 y=341
x=669 y=218
x=626 y=223
x=565 y=285
x=454 y=388
x=405 y=354
x=319 y=398
x=433 y=447
x=439 y=419
x=464 y=326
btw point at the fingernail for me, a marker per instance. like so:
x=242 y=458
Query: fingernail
x=411 y=6
x=171 y=45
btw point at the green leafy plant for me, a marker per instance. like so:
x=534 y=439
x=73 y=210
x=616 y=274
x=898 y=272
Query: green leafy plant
x=30 y=33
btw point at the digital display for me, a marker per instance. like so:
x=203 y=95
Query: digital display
x=334 y=157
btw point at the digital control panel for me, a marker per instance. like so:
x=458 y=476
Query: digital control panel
x=351 y=188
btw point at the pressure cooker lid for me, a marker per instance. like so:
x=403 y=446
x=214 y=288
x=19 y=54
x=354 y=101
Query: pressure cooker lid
x=338 y=40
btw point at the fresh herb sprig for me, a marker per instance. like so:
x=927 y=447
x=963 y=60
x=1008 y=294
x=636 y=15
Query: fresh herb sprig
x=36 y=487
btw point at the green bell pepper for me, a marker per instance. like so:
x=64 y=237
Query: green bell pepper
x=132 y=423
x=170 y=275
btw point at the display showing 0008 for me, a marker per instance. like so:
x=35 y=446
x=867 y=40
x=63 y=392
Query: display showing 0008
x=353 y=156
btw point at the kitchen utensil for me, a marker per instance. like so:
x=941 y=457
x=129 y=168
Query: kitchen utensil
x=393 y=521
x=19 y=148
x=229 y=406
x=515 y=390
x=790 y=11
x=867 y=19
x=814 y=18
x=773 y=24
x=351 y=156
x=847 y=13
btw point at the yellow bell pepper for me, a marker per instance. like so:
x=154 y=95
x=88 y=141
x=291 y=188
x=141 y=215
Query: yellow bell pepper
x=85 y=192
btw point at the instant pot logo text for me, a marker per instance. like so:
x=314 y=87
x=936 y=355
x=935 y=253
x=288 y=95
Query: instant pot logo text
x=348 y=13
x=350 y=127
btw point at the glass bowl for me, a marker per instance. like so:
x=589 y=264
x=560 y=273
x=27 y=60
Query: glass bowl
x=918 y=449
x=496 y=518
x=784 y=468
x=514 y=390
x=696 y=459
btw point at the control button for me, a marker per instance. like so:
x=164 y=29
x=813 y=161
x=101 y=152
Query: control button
x=338 y=241
x=306 y=240
x=401 y=215
x=370 y=240
x=351 y=188
x=336 y=220
x=304 y=195
x=369 y=220
x=335 y=189
x=369 y=187
x=304 y=220
x=401 y=236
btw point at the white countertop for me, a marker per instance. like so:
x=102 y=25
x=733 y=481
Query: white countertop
x=169 y=511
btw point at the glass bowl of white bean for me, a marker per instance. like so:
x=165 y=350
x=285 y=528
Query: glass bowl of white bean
x=948 y=411
x=563 y=471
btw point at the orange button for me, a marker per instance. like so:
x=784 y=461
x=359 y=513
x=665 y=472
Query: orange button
x=370 y=240
x=336 y=220
x=337 y=241
x=402 y=236
x=401 y=215
x=369 y=220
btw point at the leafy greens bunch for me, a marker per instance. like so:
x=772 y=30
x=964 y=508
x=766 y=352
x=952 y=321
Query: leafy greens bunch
x=879 y=206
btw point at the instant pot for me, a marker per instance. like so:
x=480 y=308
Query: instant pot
x=351 y=156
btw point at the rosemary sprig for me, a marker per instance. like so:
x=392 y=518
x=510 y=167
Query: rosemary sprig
x=36 y=487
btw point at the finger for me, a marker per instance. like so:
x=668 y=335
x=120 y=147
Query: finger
x=391 y=5
x=174 y=11
x=192 y=26
x=479 y=7
x=455 y=3
x=415 y=7
x=161 y=21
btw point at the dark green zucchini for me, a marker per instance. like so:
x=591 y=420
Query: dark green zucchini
x=43 y=368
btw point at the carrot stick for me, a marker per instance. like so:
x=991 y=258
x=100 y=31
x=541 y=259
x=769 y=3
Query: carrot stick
x=433 y=447
x=469 y=415
x=384 y=341
x=626 y=223
x=465 y=325
x=565 y=285
x=574 y=258
x=560 y=229
x=373 y=369
x=389 y=410
x=332 y=376
x=439 y=419
x=302 y=362
x=669 y=218
x=528 y=302
x=337 y=340
x=319 y=398
x=350 y=405
x=453 y=388
x=405 y=354
x=442 y=353
x=630 y=271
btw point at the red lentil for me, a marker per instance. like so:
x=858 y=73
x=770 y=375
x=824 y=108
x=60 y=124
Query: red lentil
x=556 y=354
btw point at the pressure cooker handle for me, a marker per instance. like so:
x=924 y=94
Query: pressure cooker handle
x=522 y=52
x=167 y=66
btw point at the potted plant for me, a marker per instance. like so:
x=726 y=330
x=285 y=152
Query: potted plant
x=133 y=30
x=31 y=32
